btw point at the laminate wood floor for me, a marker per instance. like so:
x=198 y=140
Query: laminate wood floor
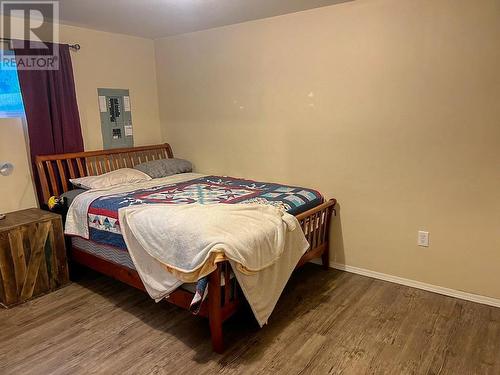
x=327 y=322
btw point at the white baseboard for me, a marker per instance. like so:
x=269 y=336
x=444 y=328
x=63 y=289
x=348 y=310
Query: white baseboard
x=419 y=285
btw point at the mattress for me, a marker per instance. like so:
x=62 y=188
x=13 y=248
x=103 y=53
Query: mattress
x=116 y=256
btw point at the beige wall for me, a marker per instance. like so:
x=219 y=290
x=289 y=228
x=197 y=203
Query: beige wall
x=114 y=61
x=16 y=190
x=391 y=106
x=105 y=60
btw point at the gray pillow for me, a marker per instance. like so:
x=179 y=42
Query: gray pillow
x=71 y=195
x=165 y=167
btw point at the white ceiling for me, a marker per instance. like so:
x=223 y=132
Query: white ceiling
x=159 y=18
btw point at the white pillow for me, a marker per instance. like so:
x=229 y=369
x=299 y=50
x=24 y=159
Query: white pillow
x=120 y=176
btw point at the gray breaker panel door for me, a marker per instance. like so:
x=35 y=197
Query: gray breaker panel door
x=116 y=118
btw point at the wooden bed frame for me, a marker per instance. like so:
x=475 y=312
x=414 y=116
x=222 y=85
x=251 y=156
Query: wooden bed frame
x=224 y=298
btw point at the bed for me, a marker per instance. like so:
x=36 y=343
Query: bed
x=106 y=253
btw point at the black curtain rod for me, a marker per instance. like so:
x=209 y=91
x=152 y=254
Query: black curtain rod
x=75 y=47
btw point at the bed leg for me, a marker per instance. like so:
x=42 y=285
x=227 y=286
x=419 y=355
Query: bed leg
x=325 y=258
x=215 y=310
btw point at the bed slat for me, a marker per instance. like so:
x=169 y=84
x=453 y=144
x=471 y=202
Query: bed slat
x=108 y=163
x=128 y=160
x=117 y=161
x=71 y=169
x=98 y=165
x=62 y=175
x=42 y=175
x=52 y=177
x=80 y=167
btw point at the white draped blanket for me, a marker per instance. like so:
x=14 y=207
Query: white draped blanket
x=262 y=243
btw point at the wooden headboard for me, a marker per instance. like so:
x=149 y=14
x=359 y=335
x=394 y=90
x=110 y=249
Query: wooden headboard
x=54 y=171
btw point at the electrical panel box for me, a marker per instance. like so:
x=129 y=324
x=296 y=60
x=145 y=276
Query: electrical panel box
x=116 y=118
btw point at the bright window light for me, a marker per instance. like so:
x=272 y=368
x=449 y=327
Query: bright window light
x=11 y=101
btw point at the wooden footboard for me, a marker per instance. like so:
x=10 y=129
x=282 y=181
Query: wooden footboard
x=316 y=226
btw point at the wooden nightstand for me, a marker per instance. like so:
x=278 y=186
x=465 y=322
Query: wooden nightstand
x=32 y=255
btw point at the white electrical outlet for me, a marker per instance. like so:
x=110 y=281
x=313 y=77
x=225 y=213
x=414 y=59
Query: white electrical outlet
x=423 y=238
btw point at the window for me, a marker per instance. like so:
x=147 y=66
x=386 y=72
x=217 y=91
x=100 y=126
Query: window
x=11 y=101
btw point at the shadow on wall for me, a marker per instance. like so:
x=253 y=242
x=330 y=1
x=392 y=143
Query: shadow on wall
x=337 y=254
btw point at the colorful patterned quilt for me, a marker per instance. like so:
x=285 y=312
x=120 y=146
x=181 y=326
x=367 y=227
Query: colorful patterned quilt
x=104 y=226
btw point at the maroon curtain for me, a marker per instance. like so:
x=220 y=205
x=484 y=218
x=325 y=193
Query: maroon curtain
x=51 y=108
